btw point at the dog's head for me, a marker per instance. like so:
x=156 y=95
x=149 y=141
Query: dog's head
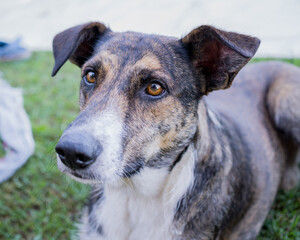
x=139 y=95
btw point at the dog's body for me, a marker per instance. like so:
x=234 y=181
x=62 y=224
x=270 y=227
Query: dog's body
x=178 y=164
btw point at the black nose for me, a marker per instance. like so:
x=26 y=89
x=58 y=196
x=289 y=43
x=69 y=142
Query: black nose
x=78 y=150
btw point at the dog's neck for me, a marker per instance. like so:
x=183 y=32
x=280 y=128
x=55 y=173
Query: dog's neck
x=217 y=151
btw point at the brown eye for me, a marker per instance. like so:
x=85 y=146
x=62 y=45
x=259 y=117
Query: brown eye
x=154 y=89
x=90 y=77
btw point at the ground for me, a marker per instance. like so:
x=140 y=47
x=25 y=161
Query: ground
x=41 y=203
x=274 y=22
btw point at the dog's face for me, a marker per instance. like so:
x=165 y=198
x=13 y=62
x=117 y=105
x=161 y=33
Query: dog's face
x=139 y=96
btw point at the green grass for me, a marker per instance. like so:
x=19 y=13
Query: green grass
x=2 y=151
x=41 y=203
x=38 y=202
x=283 y=222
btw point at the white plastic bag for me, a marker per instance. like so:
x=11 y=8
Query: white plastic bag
x=15 y=131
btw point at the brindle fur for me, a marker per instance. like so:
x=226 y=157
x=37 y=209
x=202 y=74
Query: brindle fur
x=245 y=138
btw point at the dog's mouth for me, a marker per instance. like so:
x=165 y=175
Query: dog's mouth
x=80 y=177
x=98 y=175
x=83 y=179
x=91 y=176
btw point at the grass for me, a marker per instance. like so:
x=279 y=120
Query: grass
x=2 y=151
x=39 y=202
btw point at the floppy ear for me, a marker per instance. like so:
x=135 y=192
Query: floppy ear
x=76 y=44
x=217 y=56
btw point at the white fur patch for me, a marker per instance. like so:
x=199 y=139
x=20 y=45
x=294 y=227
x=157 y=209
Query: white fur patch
x=144 y=208
x=107 y=129
x=214 y=118
x=152 y=148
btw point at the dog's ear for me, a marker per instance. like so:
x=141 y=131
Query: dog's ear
x=76 y=44
x=218 y=55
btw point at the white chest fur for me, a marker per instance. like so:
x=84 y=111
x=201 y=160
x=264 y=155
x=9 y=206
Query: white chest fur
x=144 y=207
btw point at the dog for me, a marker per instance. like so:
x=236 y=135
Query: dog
x=167 y=155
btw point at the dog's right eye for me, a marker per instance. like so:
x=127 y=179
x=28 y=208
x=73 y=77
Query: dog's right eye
x=90 y=77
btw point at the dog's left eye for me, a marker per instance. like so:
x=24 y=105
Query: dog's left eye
x=155 y=89
x=90 y=77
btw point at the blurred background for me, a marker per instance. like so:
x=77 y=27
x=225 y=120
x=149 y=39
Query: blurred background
x=38 y=202
x=274 y=22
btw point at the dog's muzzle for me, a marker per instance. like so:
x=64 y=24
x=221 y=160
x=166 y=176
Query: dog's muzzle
x=78 y=150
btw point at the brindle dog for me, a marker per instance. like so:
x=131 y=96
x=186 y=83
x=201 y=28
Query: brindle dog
x=167 y=161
